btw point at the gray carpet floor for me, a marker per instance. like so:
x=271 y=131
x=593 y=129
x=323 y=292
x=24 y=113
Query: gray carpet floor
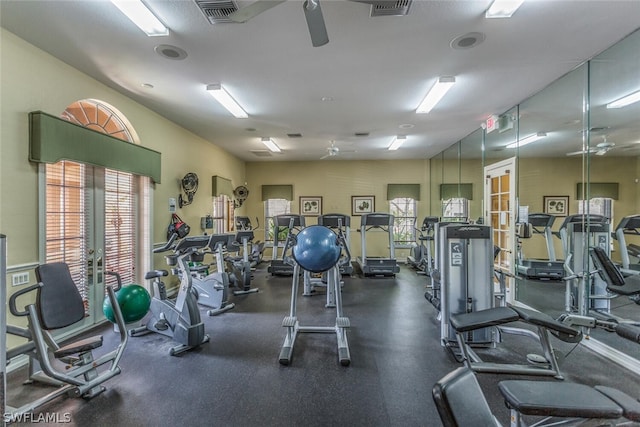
x=236 y=380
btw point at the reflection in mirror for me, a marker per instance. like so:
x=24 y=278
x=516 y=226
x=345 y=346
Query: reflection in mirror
x=471 y=171
x=436 y=168
x=550 y=165
x=614 y=149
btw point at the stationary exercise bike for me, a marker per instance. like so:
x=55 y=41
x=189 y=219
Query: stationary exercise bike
x=211 y=289
x=179 y=319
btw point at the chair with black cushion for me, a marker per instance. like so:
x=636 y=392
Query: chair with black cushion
x=461 y=402
x=616 y=282
x=58 y=304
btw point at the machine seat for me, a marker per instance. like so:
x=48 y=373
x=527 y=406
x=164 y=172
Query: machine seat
x=460 y=401
x=555 y=399
x=465 y=322
x=608 y=271
x=540 y=319
x=76 y=347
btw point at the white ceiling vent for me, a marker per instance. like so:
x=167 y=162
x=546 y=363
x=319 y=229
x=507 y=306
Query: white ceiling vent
x=389 y=7
x=261 y=153
x=217 y=11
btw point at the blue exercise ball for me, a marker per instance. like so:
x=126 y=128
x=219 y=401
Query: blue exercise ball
x=134 y=302
x=316 y=249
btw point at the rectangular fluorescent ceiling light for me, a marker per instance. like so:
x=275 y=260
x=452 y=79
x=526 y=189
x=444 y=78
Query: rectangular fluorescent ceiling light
x=397 y=142
x=271 y=145
x=138 y=13
x=625 y=100
x=439 y=89
x=527 y=140
x=503 y=8
x=223 y=97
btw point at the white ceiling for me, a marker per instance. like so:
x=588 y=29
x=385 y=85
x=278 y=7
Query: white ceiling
x=375 y=69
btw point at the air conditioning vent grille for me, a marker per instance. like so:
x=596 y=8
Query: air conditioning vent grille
x=261 y=153
x=217 y=12
x=390 y=7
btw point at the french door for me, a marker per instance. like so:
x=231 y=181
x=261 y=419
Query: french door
x=500 y=205
x=91 y=220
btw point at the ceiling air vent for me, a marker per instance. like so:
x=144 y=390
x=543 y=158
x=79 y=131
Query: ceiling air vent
x=389 y=7
x=261 y=153
x=294 y=135
x=217 y=12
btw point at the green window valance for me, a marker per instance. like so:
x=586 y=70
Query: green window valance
x=608 y=190
x=450 y=191
x=277 y=192
x=395 y=191
x=220 y=185
x=52 y=139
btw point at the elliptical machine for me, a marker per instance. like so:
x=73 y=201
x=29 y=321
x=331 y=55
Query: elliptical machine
x=256 y=251
x=240 y=266
x=179 y=320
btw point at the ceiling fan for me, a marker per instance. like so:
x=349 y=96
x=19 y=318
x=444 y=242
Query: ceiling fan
x=599 y=150
x=312 y=12
x=332 y=151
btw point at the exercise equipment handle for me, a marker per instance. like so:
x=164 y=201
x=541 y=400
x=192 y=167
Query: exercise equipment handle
x=13 y=308
x=118 y=279
x=630 y=332
x=167 y=246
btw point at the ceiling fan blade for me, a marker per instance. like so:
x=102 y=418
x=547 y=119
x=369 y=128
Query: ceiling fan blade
x=254 y=9
x=315 y=22
x=325 y=156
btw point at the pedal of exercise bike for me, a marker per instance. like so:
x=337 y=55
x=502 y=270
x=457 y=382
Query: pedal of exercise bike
x=161 y=325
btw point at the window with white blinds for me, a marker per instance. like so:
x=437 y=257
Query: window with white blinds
x=66 y=223
x=120 y=225
x=274 y=207
x=223 y=214
x=404 y=211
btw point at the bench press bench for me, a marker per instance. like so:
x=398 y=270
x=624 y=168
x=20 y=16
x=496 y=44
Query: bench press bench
x=500 y=317
x=461 y=402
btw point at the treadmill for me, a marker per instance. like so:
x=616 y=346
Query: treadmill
x=341 y=224
x=629 y=225
x=550 y=268
x=293 y=223
x=377 y=266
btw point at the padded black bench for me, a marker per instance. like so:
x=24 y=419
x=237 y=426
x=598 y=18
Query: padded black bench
x=614 y=279
x=567 y=400
x=501 y=316
x=460 y=401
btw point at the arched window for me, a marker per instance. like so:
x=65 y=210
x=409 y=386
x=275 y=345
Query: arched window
x=96 y=218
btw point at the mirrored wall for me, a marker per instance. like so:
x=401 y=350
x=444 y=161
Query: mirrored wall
x=577 y=152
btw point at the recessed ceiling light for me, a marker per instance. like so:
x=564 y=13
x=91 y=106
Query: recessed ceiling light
x=467 y=41
x=327 y=98
x=170 y=52
x=406 y=126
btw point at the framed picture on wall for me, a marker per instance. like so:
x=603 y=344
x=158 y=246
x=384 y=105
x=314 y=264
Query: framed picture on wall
x=310 y=206
x=556 y=205
x=362 y=205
